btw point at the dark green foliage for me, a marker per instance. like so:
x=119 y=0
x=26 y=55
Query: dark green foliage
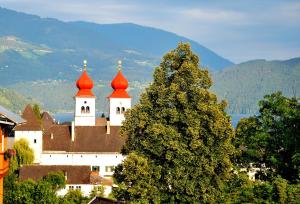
x=180 y=133
x=75 y=197
x=28 y=192
x=97 y=191
x=272 y=137
x=37 y=111
x=56 y=179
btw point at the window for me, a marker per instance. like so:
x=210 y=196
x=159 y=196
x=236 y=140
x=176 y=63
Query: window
x=78 y=187
x=84 y=102
x=34 y=141
x=50 y=155
x=71 y=187
x=87 y=109
x=96 y=168
x=123 y=110
x=118 y=110
x=82 y=109
x=109 y=168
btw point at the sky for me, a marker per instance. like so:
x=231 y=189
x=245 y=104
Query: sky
x=239 y=30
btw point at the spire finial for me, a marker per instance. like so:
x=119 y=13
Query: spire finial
x=119 y=65
x=84 y=64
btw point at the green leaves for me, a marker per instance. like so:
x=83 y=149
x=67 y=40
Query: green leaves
x=178 y=137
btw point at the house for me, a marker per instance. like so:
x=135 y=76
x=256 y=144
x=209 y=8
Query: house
x=79 y=177
x=87 y=140
x=7 y=121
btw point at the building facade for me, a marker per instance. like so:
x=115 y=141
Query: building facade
x=87 y=140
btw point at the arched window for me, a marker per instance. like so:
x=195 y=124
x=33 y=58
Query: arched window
x=82 y=109
x=118 y=110
x=123 y=110
x=87 y=109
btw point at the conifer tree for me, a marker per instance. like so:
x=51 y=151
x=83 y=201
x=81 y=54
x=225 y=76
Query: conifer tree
x=179 y=133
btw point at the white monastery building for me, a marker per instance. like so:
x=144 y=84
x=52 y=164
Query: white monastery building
x=85 y=143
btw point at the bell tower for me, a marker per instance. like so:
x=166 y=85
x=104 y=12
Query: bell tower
x=85 y=100
x=119 y=100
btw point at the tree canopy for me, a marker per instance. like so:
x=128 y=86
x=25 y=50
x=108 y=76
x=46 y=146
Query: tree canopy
x=272 y=138
x=179 y=133
x=24 y=154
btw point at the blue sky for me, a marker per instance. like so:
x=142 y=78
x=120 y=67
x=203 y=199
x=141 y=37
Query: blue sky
x=239 y=30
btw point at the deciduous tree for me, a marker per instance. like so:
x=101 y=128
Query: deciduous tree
x=179 y=133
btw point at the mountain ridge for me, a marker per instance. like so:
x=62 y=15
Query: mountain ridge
x=101 y=44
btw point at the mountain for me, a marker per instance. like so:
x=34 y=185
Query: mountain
x=13 y=100
x=243 y=85
x=63 y=45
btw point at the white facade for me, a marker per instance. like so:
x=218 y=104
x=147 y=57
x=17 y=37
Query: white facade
x=84 y=188
x=117 y=108
x=35 y=140
x=85 y=111
x=105 y=162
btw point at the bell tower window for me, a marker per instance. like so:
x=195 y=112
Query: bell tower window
x=118 y=110
x=82 y=109
x=87 y=109
x=123 y=110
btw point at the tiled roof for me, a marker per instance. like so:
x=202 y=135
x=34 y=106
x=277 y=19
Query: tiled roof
x=75 y=174
x=47 y=120
x=87 y=139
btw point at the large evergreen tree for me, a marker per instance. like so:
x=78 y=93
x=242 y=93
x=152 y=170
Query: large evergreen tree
x=179 y=133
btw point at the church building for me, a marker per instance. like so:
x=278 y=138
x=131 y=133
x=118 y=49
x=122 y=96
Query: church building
x=85 y=141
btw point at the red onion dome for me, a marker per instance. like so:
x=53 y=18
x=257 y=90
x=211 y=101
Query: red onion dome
x=119 y=82
x=84 y=84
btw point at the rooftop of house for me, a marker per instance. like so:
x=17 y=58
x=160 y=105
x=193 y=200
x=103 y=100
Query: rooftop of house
x=74 y=174
x=86 y=139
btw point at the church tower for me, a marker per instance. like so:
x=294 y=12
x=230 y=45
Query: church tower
x=119 y=100
x=85 y=100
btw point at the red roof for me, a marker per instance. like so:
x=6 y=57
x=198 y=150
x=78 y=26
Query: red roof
x=85 y=85
x=119 y=84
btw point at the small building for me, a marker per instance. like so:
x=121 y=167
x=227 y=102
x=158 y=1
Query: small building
x=78 y=177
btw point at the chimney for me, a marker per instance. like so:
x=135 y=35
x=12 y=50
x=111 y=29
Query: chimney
x=73 y=131
x=108 y=127
x=66 y=175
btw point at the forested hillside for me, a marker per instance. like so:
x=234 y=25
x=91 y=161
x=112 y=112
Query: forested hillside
x=244 y=84
x=13 y=100
x=42 y=48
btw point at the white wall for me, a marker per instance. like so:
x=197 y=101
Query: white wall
x=35 y=142
x=85 y=189
x=85 y=119
x=103 y=160
x=115 y=118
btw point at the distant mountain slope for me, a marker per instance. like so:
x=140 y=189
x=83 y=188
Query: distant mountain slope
x=13 y=100
x=242 y=86
x=139 y=47
x=245 y=84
